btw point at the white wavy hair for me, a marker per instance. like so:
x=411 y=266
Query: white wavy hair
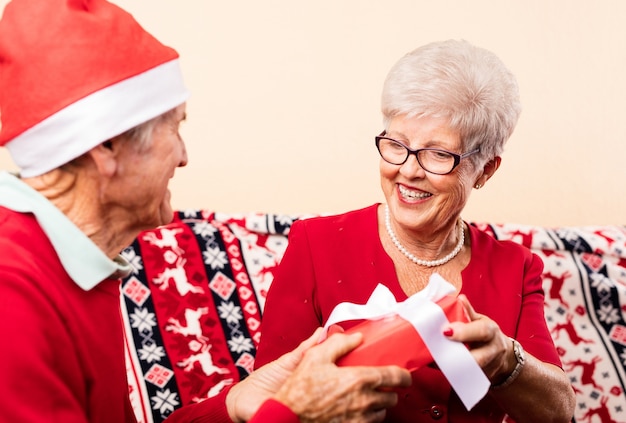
x=467 y=85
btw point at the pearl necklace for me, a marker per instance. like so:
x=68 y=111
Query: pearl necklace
x=427 y=263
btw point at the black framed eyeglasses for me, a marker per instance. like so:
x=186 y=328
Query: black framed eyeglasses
x=432 y=160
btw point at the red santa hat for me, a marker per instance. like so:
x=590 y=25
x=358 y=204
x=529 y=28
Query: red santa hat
x=75 y=73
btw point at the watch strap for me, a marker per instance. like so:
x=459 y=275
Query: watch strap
x=520 y=357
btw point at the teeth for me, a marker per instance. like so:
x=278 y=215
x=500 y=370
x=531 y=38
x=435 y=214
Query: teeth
x=408 y=194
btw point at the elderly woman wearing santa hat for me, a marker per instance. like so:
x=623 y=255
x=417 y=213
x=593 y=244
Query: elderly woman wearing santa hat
x=91 y=106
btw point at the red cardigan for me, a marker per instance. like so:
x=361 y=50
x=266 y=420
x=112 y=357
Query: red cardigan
x=340 y=258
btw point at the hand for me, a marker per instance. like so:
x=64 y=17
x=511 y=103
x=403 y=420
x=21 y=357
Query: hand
x=490 y=347
x=245 y=398
x=319 y=391
x=309 y=383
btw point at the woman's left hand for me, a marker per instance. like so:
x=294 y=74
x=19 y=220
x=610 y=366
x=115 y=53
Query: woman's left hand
x=542 y=391
x=491 y=348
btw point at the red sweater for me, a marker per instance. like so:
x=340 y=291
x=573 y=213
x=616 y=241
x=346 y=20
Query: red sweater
x=334 y=259
x=213 y=410
x=62 y=360
x=63 y=354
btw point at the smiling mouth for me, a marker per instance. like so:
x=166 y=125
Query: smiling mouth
x=408 y=194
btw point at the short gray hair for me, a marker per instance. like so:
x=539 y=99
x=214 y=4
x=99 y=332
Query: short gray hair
x=142 y=133
x=455 y=80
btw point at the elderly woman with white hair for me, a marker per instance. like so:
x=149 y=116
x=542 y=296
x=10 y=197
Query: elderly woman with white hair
x=448 y=109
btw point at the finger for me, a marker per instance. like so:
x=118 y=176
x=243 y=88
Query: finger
x=291 y=359
x=382 y=400
x=371 y=406
x=393 y=376
x=310 y=341
x=479 y=328
x=335 y=329
x=375 y=377
x=369 y=417
x=377 y=416
x=454 y=330
x=334 y=347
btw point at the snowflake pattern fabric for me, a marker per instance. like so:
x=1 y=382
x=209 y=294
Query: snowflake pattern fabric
x=584 y=280
x=192 y=306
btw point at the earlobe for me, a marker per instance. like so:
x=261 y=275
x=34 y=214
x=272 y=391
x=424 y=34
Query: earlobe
x=488 y=170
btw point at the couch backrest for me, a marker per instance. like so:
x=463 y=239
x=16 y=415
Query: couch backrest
x=193 y=306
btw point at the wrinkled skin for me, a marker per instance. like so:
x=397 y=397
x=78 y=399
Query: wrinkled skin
x=309 y=383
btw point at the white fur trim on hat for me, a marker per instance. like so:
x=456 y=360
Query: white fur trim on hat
x=100 y=116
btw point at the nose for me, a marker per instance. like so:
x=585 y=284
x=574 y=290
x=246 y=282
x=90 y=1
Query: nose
x=184 y=159
x=412 y=168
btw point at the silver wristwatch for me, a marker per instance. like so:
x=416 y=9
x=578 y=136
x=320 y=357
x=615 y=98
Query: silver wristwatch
x=520 y=357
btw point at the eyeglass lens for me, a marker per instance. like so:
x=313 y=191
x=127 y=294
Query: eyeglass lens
x=432 y=160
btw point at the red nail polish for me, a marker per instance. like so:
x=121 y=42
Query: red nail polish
x=448 y=332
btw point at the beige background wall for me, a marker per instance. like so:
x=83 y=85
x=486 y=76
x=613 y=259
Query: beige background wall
x=285 y=101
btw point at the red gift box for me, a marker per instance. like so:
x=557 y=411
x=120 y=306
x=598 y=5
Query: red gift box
x=392 y=340
x=409 y=334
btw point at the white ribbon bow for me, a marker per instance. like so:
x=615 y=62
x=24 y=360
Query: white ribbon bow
x=428 y=319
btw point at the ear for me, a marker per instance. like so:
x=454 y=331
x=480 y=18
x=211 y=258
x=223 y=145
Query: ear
x=104 y=157
x=488 y=170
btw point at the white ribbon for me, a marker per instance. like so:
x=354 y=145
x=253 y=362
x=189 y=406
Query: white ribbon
x=428 y=319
